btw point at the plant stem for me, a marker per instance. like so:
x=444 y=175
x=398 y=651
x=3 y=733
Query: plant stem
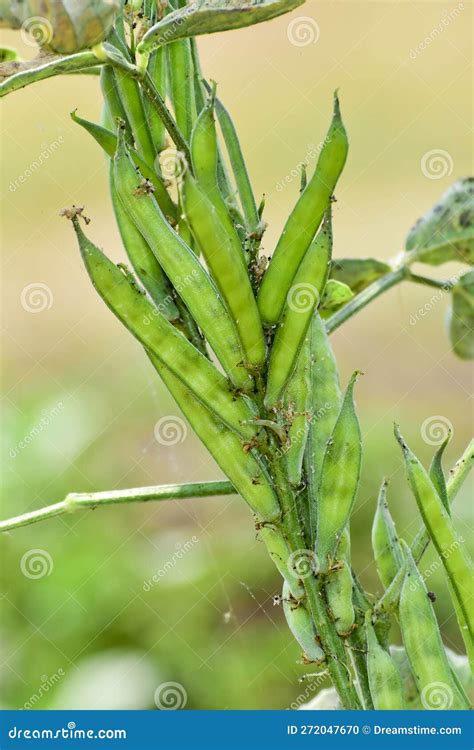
x=426 y=281
x=364 y=297
x=157 y=101
x=77 y=501
x=76 y=63
x=458 y=474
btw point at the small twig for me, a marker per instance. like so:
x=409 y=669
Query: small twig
x=78 y=62
x=78 y=501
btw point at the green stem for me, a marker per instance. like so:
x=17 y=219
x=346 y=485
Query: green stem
x=77 y=501
x=426 y=281
x=157 y=101
x=76 y=63
x=458 y=474
x=364 y=297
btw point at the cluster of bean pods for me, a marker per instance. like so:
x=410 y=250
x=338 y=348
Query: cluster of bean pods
x=249 y=362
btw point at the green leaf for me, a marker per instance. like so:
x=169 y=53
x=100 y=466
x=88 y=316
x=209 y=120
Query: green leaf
x=8 y=54
x=461 y=317
x=358 y=273
x=210 y=16
x=335 y=295
x=446 y=232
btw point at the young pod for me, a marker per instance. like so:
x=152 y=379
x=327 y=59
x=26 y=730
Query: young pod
x=300 y=623
x=64 y=26
x=339 y=589
x=280 y=553
x=182 y=267
x=339 y=479
x=302 y=299
x=422 y=640
x=326 y=402
x=385 y=682
x=245 y=469
x=385 y=544
x=303 y=222
x=228 y=269
x=457 y=564
x=128 y=302
x=298 y=405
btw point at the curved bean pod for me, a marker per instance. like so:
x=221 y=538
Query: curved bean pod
x=339 y=589
x=228 y=271
x=127 y=301
x=300 y=623
x=143 y=261
x=326 y=402
x=245 y=470
x=298 y=403
x=422 y=639
x=458 y=566
x=280 y=553
x=304 y=221
x=437 y=474
x=308 y=286
x=157 y=71
x=180 y=67
x=339 y=479
x=384 y=678
x=132 y=102
x=385 y=544
x=184 y=270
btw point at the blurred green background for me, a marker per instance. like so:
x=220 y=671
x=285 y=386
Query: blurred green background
x=81 y=393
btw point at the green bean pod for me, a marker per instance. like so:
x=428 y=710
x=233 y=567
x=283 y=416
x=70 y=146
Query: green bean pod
x=303 y=297
x=385 y=682
x=113 y=104
x=180 y=67
x=298 y=404
x=157 y=71
x=245 y=470
x=132 y=102
x=339 y=590
x=339 y=479
x=437 y=474
x=300 y=623
x=128 y=302
x=228 y=271
x=303 y=222
x=143 y=261
x=385 y=544
x=107 y=140
x=326 y=402
x=184 y=270
x=457 y=564
x=422 y=639
x=280 y=553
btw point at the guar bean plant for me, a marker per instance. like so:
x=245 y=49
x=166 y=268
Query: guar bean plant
x=243 y=343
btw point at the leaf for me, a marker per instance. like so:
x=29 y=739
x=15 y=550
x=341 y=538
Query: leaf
x=446 y=232
x=461 y=317
x=335 y=295
x=358 y=273
x=210 y=16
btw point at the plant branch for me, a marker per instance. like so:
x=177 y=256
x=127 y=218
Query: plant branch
x=157 y=101
x=77 y=63
x=78 y=501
